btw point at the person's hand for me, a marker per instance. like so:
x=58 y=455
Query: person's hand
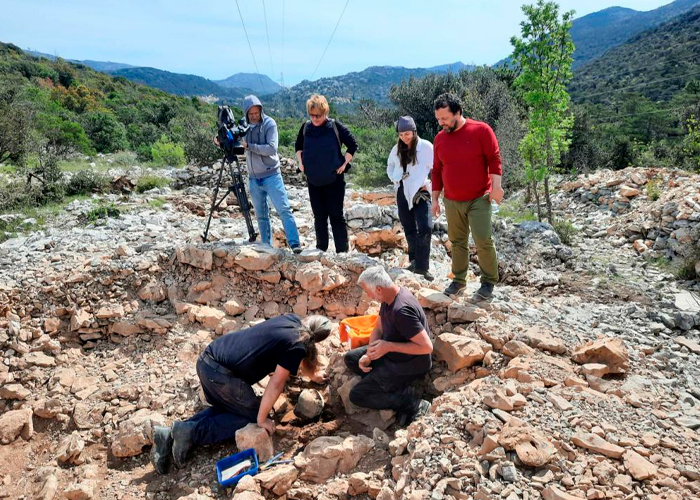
x=244 y=144
x=436 y=209
x=320 y=377
x=301 y=167
x=364 y=364
x=496 y=195
x=268 y=425
x=341 y=169
x=216 y=141
x=377 y=349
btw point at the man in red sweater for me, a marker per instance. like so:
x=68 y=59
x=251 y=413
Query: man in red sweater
x=467 y=164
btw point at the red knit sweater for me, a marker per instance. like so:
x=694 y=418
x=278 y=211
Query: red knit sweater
x=464 y=160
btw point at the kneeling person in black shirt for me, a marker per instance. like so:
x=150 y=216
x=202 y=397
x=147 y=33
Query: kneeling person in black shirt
x=398 y=353
x=227 y=369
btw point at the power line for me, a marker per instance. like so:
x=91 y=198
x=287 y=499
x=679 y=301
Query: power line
x=330 y=40
x=267 y=34
x=255 y=63
x=637 y=85
x=282 y=70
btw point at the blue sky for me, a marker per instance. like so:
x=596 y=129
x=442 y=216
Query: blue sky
x=207 y=39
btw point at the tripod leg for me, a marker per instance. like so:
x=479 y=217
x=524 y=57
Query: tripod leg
x=214 y=204
x=242 y=197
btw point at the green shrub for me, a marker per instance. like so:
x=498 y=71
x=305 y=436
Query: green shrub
x=125 y=159
x=15 y=195
x=103 y=212
x=156 y=203
x=565 y=230
x=86 y=182
x=653 y=189
x=167 y=153
x=107 y=134
x=148 y=182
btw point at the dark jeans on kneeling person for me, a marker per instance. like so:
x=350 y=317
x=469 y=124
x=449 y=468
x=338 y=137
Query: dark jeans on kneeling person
x=385 y=387
x=327 y=203
x=417 y=225
x=234 y=405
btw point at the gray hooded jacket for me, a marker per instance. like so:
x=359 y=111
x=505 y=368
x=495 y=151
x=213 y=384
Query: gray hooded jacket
x=262 y=138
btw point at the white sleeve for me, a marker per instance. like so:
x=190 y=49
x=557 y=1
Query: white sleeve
x=395 y=174
x=425 y=160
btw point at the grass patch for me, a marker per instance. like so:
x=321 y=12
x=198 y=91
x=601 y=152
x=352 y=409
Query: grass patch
x=148 y=182
x=653 y=189
x=8 y=169
x=516 y=211
x=565 y=230
x=156 y=203
x=103 y=212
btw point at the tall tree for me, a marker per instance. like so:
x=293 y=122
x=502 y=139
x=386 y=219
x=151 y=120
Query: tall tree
x=543 y=55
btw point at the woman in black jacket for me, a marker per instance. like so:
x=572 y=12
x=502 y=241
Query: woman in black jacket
x=318 y=149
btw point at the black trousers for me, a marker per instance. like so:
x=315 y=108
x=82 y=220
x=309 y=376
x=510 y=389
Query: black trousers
x=327 y=203
x=383 y=388
x=417 y=226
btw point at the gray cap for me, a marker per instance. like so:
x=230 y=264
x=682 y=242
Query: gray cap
x=405 y=124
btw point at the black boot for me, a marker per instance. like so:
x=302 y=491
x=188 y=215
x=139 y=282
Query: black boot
x=162 y=449
x=182 y=442
x=454 y=288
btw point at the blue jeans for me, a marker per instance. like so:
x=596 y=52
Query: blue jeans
x=272 y=186
x=234 y=405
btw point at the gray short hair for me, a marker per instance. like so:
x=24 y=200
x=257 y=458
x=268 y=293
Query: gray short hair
x=376 y=276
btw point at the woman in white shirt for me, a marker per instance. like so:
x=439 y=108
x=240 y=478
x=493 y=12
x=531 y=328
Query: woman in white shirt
x=408 y=167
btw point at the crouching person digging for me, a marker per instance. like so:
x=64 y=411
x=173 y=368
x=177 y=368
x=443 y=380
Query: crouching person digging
x=398 y=352
x=227 y=369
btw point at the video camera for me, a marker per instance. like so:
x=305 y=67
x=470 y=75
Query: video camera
x=230 y=132
x=228 y=137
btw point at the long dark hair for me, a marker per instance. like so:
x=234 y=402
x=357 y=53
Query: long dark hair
x=313 y=330
x=407 y=154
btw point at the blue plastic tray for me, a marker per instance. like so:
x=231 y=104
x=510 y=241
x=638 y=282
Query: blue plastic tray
x=227 y=462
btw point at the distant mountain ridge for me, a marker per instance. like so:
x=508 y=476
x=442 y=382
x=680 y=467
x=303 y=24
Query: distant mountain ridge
x=656 y=63
x=261 y=84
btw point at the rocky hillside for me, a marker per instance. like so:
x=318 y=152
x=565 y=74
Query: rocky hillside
x=577 y=381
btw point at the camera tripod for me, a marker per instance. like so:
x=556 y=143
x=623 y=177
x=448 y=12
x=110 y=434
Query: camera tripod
x=238 y=189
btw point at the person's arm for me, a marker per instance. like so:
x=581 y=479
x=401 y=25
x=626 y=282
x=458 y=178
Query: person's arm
x=424 y=163
x=392 y=171
x=376 y=331
x=437 y=180
x=271 y=142
x=273 y=390
x=493 y=159
x=418 y=344
x=348 y=140
x=299 y=146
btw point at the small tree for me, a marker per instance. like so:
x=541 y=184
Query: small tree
x=544 y=55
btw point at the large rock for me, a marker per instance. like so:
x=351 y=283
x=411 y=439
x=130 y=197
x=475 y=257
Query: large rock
x=597 y=444
x=39 y=359
x=16 y=423
x=464 y=313
x=325 y=456
x=253 y=436
x=14 y=391
x=554 y=493
x=135 y=433
x=234 y=307
x=107 y=311
x=531 y=446
x=195 y=257
x=638 y=466
x=70 y=449
x=81 y=318
x=459 y=351
x=209 y=317
x=258 y=258
x=432 y=299
x=540 y=339
x=607 y=351
x=314 y=277
x=278 y=479
x=84 y=490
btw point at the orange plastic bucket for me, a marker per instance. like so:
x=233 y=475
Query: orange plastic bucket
x=357 y=329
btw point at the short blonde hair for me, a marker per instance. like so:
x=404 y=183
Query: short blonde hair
x=319 y=103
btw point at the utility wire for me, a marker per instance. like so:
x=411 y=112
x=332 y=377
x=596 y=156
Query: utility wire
x=282 y=70
x=255 y=63
x=330 y=40
x=267 y=34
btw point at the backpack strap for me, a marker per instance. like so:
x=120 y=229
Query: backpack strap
x=335 y=129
